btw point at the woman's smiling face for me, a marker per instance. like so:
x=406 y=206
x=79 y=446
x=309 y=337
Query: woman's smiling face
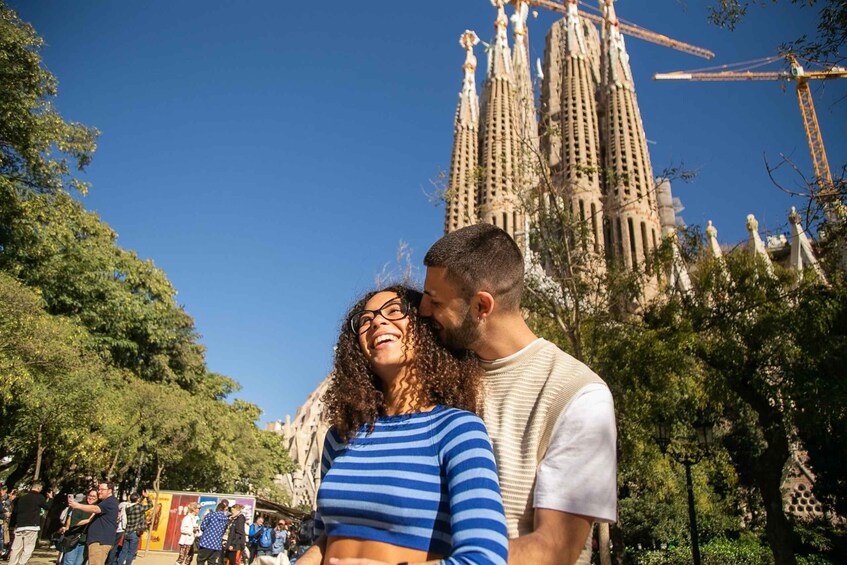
x=383 y=330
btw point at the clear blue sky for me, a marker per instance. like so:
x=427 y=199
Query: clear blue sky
x=270 y=156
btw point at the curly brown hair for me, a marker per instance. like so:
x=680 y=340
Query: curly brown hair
x=355 y=396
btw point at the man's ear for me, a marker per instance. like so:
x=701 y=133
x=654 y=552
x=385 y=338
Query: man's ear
x=484 y=304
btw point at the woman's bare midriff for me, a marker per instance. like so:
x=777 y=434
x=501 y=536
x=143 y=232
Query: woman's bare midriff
x=380 y=551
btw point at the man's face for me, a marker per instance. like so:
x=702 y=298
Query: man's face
x=451 y=314
x=103 y=491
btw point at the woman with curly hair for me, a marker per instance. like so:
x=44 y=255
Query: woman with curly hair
x=408 y=474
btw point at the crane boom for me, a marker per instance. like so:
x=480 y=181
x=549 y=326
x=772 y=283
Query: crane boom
x=724 y=75
x=813 y=135
x=629 y=29
x=804 y=97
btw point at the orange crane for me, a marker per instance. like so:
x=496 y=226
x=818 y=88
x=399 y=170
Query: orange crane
x=625 y=27
x=795 y=73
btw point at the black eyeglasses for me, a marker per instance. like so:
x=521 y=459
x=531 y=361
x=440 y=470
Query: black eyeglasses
x=393 y=310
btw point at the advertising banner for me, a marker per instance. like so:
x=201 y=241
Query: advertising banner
x=158 y=521
x=172 y=506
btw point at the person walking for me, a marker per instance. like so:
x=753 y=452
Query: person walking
x=25 y=520
x=189 y=531
x=101 y=530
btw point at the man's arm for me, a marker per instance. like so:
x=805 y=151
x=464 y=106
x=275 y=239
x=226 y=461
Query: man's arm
x=576 y=481
x=558 y=538
x=90 y=508
x=315 y=554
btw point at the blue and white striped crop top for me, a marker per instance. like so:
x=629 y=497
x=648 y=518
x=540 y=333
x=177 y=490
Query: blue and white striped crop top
x=426 y=481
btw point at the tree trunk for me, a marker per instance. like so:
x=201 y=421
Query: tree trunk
x=769 y=465
x=160 y=467
x=769 y=468
x=617 y=539
x=39 y=451
x=605 y=550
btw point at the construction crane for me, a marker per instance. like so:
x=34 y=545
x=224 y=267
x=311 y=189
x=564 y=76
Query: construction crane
x=625 y=27
x=801 y=78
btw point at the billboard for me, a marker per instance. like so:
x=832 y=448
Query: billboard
x=171 y=507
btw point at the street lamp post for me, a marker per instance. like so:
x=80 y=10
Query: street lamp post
x=688 y=458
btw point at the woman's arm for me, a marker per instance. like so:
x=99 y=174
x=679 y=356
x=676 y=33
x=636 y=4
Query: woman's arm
x=477 y=520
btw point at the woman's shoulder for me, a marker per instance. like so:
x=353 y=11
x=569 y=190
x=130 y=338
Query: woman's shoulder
x=455 y=420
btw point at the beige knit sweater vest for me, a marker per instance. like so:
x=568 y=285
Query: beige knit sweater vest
x=524 y=395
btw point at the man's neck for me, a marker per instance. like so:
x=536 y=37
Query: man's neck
x=503 y=336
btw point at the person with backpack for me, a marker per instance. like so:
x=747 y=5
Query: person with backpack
x=253 y=536
x=265 y=542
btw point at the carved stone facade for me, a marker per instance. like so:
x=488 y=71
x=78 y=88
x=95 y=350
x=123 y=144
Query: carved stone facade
x=304 y=437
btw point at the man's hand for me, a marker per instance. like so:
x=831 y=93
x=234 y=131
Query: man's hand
x=73 y=504
x=144 y=493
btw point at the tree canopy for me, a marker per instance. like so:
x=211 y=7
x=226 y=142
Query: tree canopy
x=100 y=364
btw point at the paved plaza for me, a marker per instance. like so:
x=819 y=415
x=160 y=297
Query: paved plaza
x=46 y=555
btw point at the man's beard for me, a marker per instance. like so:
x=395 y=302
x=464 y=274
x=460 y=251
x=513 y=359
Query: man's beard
x=462 y=337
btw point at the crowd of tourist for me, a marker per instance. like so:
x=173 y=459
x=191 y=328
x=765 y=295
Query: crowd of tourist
x=96 y=529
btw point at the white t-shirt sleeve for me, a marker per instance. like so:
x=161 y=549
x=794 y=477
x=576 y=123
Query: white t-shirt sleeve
x=578 y=474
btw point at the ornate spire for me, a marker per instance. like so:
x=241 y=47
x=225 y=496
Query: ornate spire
x=499 y=198
x=570 y=129
x=714 y=246
x=468 y=99
x=461 y=193
x=576 y=35
x=755 y=245
x=500 y=61
x=801 y=249
x=617 y=68
x=630 y=187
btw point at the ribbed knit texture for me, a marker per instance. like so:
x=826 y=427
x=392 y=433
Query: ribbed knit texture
x=425 y=481
x=524 y=395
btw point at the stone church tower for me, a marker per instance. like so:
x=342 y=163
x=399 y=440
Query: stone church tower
x=571 y=121
x=591 y=139
x=461 y=207
x=633 y=228
x=498 y=198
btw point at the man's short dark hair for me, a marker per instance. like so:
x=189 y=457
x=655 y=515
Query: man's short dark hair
x=481 y=257
x=35 y=484
x=133 y=498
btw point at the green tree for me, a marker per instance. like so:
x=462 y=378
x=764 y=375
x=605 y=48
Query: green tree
x=38 y=149
x=97 y=358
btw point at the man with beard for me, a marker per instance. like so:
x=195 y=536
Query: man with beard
x=551 y=419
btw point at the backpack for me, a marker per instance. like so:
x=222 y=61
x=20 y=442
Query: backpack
x=266 y=538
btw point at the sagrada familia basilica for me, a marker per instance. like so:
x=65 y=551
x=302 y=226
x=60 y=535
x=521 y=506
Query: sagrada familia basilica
x=596 y=159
